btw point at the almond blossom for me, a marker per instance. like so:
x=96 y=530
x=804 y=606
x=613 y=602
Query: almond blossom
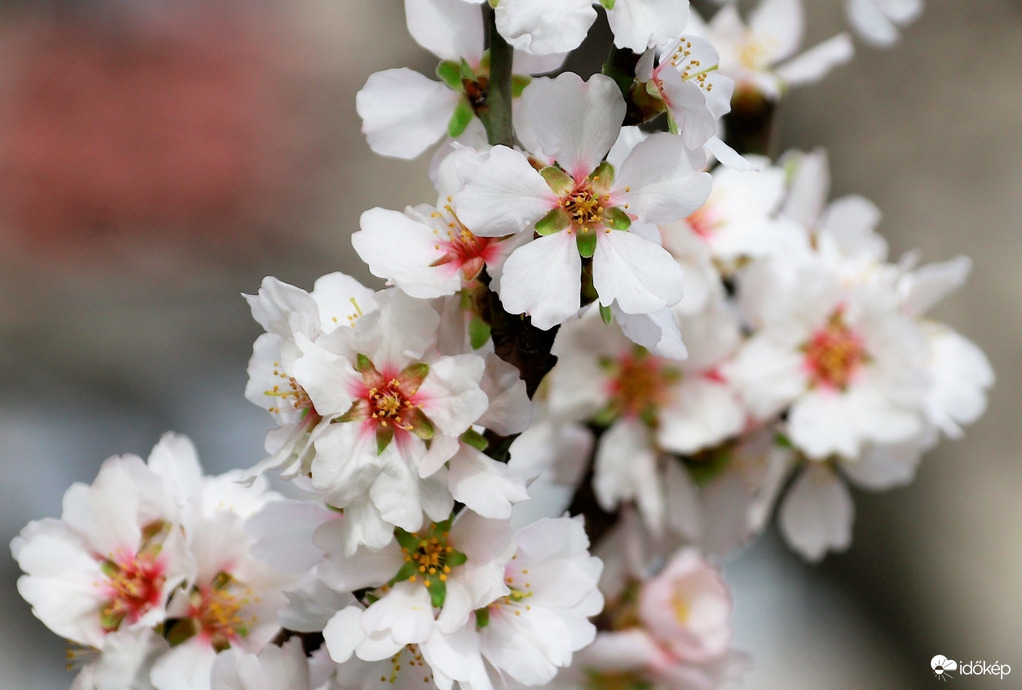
x=760 y=56
x=580 y=207
x=404 y=113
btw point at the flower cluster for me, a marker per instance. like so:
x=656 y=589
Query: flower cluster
x=603 y=356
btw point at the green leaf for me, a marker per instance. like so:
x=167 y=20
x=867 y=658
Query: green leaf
x=437 y=592
x=560 y=182
x=478 y=332
x=449 y=72
x=459 y=121
x=518 y=84
x=606 y=314
x=586 y=242
x=615 y=217
x=555 y=221
x=608 y=4
x=384 y=435
x=475 y=439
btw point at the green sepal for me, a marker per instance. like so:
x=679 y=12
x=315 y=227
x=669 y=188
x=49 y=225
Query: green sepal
x=615 y=218
x=363 y=364
x=608 y=4
x=384 y=435
x=182 y=629
x=421 y=425
x=221 y=580
x=475 y=439
x=406 y=540
x=560 y=182
x=602 y=178
x=406 y=571
x=459 y=121
x=449 y=72
x=607 y=415
x=467 y=72
x=555 y=221
x=359 y=410
x=586 y=242
x=455 y=557
x=437 y=592
x=606 y=314
x=484 y=62
x=110 y=621
x=518 y=84
x=672 y=124
x=478 y=332
x=482 y=618
x=411 y=377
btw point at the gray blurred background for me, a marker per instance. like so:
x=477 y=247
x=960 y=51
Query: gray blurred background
x=159 y=158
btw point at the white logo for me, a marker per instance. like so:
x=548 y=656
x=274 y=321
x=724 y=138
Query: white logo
x=942 y=666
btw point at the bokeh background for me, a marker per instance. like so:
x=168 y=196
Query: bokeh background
x=158 y=158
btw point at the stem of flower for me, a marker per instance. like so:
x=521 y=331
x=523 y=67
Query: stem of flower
x=497 y=118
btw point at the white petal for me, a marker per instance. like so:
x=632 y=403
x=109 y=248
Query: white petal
x=884 y=467
x=572 y=121
x=405 y=613
x=538 y=27
x=450 y=29
x=402 y=250
x=872 y=25
x=702 y=413
x=452 y=398
x=925 y=287
x=816 y=515
x=642 y=276
x=484 y=485
x=403 y=112
x=813 y=64
x=658 y=183
x=503 y=193
x=780 y=24
x=657 y=332
x=642 y=24
x=543 y=279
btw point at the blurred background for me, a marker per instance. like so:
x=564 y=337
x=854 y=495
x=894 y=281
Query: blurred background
x=159 y=157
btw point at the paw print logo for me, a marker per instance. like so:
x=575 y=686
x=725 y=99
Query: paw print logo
x=942 y=666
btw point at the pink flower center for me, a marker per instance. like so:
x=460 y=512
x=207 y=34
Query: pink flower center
x=833 y=354
x=704 y=221
x=584 y=206
x=217 y=610
x=641 y=385
x=388 y=403
x=463 y=250
x=135 y=585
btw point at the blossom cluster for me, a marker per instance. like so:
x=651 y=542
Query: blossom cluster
x=604 y=355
